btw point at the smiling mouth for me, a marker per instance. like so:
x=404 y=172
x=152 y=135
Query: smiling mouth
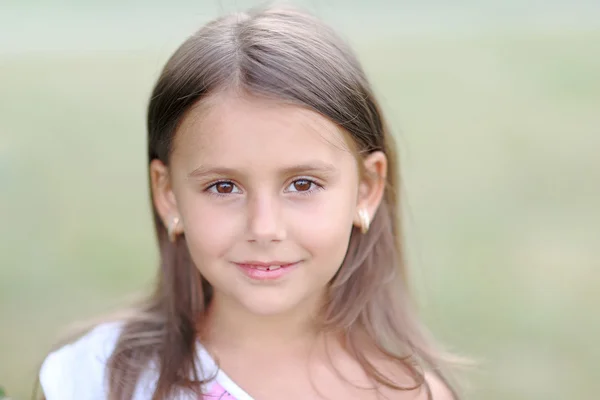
x=266 y=271
x=266 y=266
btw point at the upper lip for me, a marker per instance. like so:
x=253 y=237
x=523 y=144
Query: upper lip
x=265 y=264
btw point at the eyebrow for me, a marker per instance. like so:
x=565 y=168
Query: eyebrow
x=313 y=167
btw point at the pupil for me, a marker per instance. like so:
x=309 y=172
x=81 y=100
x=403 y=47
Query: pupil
x=224 y=187
x=302 y=185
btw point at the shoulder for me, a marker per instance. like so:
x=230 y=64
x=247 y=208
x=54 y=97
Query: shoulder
x=77 y=369
x=439 y=389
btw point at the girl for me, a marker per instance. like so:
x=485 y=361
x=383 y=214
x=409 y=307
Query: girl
x=274 y=185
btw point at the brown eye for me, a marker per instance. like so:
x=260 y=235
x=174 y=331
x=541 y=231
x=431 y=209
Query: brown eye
x=302 y=185
x=224 y=187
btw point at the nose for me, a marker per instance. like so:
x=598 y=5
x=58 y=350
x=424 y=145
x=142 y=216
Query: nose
x=265 y=224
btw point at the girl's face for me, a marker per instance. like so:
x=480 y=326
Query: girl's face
x=267 y=195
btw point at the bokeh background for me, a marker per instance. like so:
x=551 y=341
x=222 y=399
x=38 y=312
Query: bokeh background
x=496 y=106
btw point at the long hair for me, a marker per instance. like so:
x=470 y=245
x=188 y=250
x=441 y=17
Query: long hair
x=291 y=56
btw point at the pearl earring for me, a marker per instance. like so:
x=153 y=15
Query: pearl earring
x=365 y=221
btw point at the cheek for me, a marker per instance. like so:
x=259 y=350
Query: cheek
x=324 y=229
x=210 y=231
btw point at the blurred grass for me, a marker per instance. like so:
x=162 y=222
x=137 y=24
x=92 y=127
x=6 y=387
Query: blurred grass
x=500 y=137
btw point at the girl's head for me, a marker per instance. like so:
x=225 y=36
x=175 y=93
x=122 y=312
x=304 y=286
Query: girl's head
x=265 y=142
x=266 y=145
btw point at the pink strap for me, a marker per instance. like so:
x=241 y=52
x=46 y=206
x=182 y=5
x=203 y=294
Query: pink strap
x=217 y=392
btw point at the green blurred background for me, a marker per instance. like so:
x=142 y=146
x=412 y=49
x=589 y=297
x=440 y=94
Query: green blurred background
x=496 y=106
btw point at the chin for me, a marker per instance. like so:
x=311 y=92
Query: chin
x=270 y=305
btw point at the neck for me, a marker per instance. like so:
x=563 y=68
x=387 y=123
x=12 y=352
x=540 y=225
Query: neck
x=230 y=325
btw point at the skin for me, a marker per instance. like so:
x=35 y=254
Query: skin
x=251 y=179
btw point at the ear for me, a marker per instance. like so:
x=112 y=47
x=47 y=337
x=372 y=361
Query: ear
x=372 y=185
x=163 y=197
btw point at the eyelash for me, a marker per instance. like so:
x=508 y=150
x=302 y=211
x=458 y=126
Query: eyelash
x=303 y=193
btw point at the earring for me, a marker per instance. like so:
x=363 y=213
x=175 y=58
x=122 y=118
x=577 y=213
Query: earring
x=171 y=229
x=365 y=221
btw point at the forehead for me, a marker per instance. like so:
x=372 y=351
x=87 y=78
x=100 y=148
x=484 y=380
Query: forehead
x=242 y=129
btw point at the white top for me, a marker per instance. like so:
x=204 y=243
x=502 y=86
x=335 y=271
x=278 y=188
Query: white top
x=77 y=371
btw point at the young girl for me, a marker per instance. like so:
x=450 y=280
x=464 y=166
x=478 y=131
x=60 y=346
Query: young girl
x=275 y=192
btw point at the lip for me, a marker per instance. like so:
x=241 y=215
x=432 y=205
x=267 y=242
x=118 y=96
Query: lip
x=266 y=263
x=250 y=269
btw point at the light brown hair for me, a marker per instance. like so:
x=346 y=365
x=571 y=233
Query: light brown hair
x=290 y=56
